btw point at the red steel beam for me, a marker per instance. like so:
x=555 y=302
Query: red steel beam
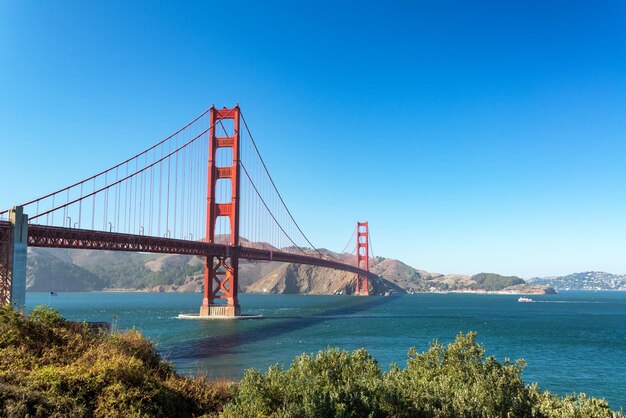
x=257 y=254
x=60 y=237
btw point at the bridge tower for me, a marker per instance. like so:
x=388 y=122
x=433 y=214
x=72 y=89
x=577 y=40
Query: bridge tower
x=221 y=273
x=362 y=257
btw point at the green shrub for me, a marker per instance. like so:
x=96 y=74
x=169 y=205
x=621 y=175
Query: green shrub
x=456 y=380
x=332 y=384
x=573 y=406
x=51 y=367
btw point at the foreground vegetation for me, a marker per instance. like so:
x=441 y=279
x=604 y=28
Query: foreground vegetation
x=51 y=367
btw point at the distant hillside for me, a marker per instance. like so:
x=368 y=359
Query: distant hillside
x=396 y=277
x=303 y=279
x=402 y=275
x=114 y=269
x=589 y=280
x=46 y=273
x=50 y=269
x=493 y=282
x=482 y=282
x=79 y=270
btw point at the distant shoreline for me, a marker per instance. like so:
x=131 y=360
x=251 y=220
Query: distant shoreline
x=492 y=292
x=476 y=292
x=471 y=292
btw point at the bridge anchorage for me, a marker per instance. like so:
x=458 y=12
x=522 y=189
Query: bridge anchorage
x=172 y=199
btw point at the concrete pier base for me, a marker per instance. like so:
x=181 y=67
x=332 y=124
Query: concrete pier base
x=219 y=310
x=215 y=317
x=219 y=317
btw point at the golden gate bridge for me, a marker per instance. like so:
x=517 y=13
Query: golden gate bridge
x=205 y=190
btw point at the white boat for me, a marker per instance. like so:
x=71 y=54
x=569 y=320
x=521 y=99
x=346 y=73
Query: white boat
x=523 y=299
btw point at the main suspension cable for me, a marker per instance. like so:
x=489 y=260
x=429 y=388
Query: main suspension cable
x=275 y=188
x=349 y=241
x=115 y=166
x=268 y=209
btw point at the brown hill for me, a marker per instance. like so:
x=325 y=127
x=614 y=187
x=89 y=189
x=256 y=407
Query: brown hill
x=303 y=279
x=402 y=275
x=56 y=269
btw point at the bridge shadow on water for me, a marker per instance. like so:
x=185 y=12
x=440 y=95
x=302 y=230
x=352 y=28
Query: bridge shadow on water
x=271 y=327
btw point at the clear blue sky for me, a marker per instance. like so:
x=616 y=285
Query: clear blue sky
x=473 y=136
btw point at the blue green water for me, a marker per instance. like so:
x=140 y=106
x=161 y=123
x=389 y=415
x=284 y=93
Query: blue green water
x=573 y=341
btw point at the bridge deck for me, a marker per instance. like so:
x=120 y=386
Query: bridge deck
x=59 y=237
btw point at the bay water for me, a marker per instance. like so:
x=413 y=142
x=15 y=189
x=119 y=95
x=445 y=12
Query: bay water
x=573 y=342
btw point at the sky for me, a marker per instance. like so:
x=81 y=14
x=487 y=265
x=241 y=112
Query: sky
x=481 y=136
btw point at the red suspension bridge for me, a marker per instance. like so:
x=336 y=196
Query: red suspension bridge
x=204 y=190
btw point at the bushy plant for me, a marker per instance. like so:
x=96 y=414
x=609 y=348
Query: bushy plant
x=332 y=384
x=456 y=380
x=51 y=367
x=572 y=406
